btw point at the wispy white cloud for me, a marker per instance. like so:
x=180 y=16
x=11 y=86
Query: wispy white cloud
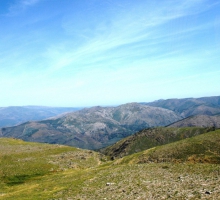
x=145 y=47
x=126 y=36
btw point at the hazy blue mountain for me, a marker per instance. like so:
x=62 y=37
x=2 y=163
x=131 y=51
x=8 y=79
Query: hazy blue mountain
x=13 y=115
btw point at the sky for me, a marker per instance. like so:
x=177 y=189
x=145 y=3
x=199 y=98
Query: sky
x=107 y=52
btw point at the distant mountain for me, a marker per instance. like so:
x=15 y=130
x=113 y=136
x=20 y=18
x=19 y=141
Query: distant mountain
x=190 y=106
x=93 y=128
x=198 y=121
x=13 y=115
x=152 y=137
x=98 y=127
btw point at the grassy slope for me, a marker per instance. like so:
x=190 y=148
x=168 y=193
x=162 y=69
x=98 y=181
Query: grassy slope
x=204 y=148
x=152 y=137
x=86 y=176
x=23 y=162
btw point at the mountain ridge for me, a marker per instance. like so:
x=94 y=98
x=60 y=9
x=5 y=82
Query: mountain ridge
x=94 y=127
x=198 y=121
x=98 y=127
x=190 y=106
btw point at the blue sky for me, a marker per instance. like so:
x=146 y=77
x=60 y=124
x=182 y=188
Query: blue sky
x=107 y=52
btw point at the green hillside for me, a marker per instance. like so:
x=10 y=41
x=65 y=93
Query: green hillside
x=22 y=162
x=204 y=148
x=43 y=171
x=151 y=137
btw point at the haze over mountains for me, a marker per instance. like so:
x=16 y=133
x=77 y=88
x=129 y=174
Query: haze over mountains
x=98 y=127
x=13 y=115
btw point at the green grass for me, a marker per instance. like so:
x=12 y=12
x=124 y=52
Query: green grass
x=22 y=161
x=204 y=148
x=55 y=172
x=151 y=137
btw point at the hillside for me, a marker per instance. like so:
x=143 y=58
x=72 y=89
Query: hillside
x=204 y=148
x=13 y=115
x=148 y=138
x=190 y=106
x=93 y=128
x=42 y=171
x=198 y=121
x=23 y=161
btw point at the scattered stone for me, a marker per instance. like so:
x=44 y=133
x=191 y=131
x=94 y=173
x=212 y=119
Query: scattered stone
x=108 y=184
x=207 y=192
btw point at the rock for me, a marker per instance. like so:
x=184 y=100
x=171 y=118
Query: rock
x=108 y=184
x=208 y=192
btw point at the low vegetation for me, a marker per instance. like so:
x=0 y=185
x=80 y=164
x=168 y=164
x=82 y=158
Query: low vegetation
x=22 y=161
x=151 y=137
x=204 y=148
x=187 y=169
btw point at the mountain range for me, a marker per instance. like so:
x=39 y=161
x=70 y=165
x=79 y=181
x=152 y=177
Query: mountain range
x=190 y=106
x=93 y=128
x=98 y=127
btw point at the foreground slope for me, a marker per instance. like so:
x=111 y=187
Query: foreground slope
x=132 y=177
x=23 y=161
x=93 y=128
x=148 y=138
